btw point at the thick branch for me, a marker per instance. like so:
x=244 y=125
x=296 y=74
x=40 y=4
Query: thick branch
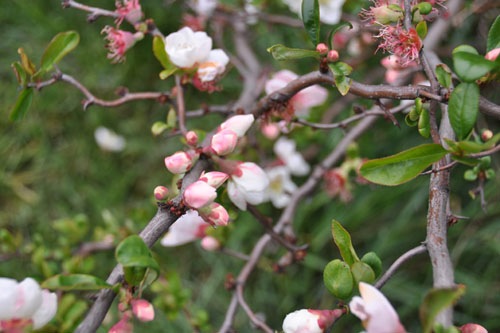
x=158 y=226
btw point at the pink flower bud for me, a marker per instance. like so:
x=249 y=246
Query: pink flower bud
x=210 y=243
x=238 y=124
x=493 y=54
x=214 y=178
x=192 y=138
x=215 y=214
x=486 y=135
x=224 y=142
x=270 y=130
x=123 y=326
x=160 y=192
x=322 y=48
x=199 y=194
x=333 y=56
x=143 y=310
x=179 y=162
x=473 y=328
x=310 y=321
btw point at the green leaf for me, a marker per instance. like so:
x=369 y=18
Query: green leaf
x=402 y=167
x=20 y=73
x=281 y=52
x=22 y=105
x=435 y=301
x=340 y=71
x=421 y=29
x=158 y=128
x=494 y=35
x=338 y=279
x=26 y=63
x=75 y=282
x=59 y=46
x=162 y=56
x=343 y=241
x=470 y=67
x=362 y=272
x=443 y=74
x=465 y=48
x=310 y=17
x=138 y=263
x=424 y=124
x=463 y=108
x=372 y=260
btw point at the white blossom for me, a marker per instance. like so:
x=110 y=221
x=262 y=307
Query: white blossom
x=280 y=186
x=247 y=184
x=187 y=48
x=108 y=140
x=285 y=149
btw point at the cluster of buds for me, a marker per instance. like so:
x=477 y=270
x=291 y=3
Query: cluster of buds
x=246 y=183
x=120 y=41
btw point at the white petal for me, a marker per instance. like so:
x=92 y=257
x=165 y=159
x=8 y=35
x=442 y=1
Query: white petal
x=29 y=298
x=108 y=140
x=46 y=311
x=236 y=196
x=186 y=229
x=8 y=298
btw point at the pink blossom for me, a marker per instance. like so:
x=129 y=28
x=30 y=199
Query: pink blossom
x=24 y=304
x=394 y=68
x=188 y=228
x=214 y=178
x=270 y=130
x=119 y=41
x=180 y=162
x=199 y=194
x=310 y=321
x=248 y=184
x=143 y=310
x=129 y=10
x=191 y=138
x=472 y=328
x=303 y=100
x=224 y=142
x=209 y=243
x=215 y=214
x=239 y=124
x=375 y=311
x=403 y=43
x=493 y=54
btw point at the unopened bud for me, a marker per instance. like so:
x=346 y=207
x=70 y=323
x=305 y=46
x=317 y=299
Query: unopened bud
x=209 y=243
x=199 y=194
x=160 y=192
x=493 y=54
x=192 y=138
x=322 y=48
x=333 y=56
x=214 y=178
x=224 y=142
x=486 y=135
x=473 y=328
x=143 y=310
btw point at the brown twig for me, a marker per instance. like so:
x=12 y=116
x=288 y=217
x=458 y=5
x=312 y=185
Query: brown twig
x=91 y=99
x=396 y=264
x=181 y=106
x=94 y=11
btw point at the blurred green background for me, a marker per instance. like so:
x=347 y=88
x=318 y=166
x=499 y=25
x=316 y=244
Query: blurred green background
x=58 y=190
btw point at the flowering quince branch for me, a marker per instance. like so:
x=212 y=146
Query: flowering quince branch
x=94 y=11
x=154 y=230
